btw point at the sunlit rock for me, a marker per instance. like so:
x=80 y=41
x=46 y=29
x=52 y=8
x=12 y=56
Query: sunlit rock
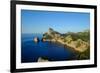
x=36 y=39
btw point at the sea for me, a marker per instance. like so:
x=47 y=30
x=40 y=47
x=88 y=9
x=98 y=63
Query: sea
x=31 y=51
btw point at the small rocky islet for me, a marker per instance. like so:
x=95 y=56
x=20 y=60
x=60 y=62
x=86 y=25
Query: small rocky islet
x=36 y=39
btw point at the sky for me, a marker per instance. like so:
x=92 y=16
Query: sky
x=35 y=21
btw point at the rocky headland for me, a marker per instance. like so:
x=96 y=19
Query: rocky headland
x=79 y=41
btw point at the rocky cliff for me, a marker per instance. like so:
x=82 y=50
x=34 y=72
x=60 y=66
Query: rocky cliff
x=78 y=41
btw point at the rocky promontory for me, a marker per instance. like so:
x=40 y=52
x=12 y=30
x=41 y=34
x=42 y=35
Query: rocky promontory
x=77 y=41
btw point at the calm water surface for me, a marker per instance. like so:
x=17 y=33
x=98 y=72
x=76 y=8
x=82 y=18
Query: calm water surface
x=31 y=51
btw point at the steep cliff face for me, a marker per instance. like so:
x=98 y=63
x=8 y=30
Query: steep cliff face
x=79 y=41
x=51 y=35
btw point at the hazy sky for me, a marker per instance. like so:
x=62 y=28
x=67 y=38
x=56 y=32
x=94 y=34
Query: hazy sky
x=39 y=21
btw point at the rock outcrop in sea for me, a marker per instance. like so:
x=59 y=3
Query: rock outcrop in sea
x=36 y=39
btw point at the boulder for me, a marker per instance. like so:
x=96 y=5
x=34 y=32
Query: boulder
x=42 y=59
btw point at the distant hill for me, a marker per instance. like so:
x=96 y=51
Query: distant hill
x=85 y=35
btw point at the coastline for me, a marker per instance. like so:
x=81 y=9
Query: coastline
x=68 y=45
x=81 y=54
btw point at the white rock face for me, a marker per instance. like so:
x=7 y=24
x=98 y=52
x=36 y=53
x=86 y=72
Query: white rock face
x=40 y=59
x=36 y=39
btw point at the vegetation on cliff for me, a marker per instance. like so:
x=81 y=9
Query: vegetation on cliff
x=77 y=41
